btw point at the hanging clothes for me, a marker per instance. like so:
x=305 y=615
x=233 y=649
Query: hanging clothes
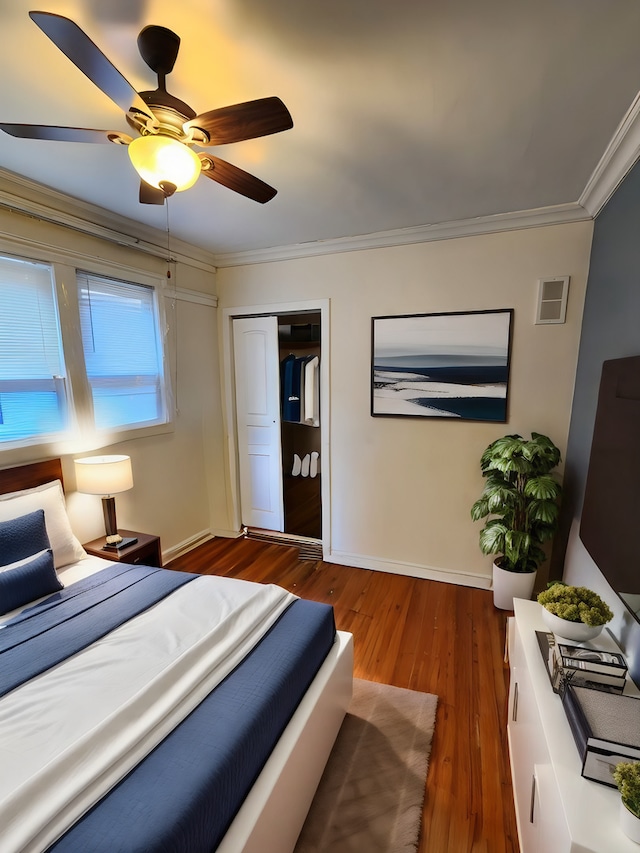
x=290 y=388
x=311 y=399
x=300 y=389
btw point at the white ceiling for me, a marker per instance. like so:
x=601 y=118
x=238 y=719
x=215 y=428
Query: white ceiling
x=406 y=112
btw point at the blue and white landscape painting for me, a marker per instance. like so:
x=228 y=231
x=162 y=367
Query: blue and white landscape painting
x=442 y=365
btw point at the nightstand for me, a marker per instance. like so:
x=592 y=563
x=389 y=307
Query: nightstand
x=146 y=551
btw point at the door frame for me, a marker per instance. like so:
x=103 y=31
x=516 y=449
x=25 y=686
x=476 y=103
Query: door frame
x=232 y=484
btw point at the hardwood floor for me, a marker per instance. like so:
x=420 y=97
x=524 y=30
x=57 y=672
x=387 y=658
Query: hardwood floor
x=428 y=636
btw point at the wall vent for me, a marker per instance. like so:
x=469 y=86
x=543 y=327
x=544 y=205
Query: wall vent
x=552 y=300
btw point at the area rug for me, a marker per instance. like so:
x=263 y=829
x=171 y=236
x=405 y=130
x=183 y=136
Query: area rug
x=371 y=794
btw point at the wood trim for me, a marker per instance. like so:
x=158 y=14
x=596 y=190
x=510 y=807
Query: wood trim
x=30 y=476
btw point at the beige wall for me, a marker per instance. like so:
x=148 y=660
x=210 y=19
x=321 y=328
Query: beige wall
x=179 y=474
x=401 y=488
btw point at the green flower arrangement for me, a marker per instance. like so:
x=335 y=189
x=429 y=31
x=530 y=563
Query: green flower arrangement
x=575 y=604
x=627 y=778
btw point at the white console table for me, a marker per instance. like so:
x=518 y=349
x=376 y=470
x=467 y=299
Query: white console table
x=557 y=810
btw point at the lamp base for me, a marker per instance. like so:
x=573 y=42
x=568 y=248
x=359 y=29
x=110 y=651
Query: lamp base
x=109 y=513
x=125 y=543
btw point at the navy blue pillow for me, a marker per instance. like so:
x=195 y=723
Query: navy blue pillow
x=22 y=537
x=27 y=582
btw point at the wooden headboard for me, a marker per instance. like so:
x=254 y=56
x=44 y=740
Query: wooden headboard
x=29 y=476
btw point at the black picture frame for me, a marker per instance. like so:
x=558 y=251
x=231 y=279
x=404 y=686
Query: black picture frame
x=452 y=365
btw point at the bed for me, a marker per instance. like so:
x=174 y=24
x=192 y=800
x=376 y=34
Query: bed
x=122 y=691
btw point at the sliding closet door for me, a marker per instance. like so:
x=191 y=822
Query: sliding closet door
x=257 y=380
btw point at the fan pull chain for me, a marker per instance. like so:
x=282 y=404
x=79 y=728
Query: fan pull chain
x=174 y=306
x=166 y=206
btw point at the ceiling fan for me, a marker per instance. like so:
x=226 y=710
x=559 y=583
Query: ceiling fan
x=167 y=128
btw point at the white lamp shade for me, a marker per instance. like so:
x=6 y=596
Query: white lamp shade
x=103 y=475
x=158 y=158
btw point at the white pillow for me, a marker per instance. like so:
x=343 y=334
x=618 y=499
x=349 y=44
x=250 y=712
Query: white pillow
x=49 y=497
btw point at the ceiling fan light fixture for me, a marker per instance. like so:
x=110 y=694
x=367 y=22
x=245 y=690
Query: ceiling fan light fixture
x=161 y=159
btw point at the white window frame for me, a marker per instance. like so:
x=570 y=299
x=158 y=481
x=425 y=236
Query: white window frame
x=59 y=378
x=160 y=343
x=81 y=435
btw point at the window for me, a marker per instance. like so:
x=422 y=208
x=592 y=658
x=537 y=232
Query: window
x=122 y=352
x=114 y=376
x=33 y=394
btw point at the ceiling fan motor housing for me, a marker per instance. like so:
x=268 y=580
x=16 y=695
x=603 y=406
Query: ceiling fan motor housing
x=159 y=47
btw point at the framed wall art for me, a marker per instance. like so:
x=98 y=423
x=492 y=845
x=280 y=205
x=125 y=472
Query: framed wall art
x=447 y=365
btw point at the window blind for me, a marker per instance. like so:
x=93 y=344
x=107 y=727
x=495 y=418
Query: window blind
x=122 y=351
x=33 y=397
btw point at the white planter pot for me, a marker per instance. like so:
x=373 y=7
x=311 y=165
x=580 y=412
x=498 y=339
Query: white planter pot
x=576 y=631
x=629 y=823
x=510 y=585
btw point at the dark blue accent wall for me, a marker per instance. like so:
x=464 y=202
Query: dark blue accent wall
x=610 y=329
x=611 y=322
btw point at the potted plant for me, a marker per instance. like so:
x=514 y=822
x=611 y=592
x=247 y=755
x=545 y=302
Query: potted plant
x=573 y=612
x=520 y=502
x=627 y=778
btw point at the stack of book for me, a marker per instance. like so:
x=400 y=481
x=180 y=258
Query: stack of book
x=606 y=729
x=581 y=666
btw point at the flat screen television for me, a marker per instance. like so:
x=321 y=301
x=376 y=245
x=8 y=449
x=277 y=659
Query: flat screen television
x=610 y=522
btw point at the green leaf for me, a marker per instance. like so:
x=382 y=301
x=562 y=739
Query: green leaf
x=544 y=511
x=480 y=509
x=512 y=465
x=496 y=480
x=501 y=498
x=492 y=539
x=543 y=488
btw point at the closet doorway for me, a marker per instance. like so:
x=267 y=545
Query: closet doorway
x=279 y=448
x=299 y=356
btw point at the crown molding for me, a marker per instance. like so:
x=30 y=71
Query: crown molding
x=554 y=215
x=23 y=195
x=619 y=157
x=33 y=199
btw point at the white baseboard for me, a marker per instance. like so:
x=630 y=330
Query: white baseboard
x=198 y=539
x=343 y=558
x=227 y=534
x=186 y=545
x=412 y=570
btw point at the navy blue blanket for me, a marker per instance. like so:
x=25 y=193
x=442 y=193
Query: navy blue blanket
x=184 y=795
x=70 y=620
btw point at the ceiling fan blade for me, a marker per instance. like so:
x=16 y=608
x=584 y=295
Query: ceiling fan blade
x=88 y=57
x=151 y=195
x=58 y=134
x=236 y=179
x=243 y=121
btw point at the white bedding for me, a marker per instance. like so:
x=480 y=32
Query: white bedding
x=100 y=712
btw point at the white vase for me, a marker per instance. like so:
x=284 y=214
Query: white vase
x=629 y=823
x=576 y=631
x=510 y=585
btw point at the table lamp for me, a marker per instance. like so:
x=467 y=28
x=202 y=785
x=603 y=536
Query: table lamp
x=106 y=476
